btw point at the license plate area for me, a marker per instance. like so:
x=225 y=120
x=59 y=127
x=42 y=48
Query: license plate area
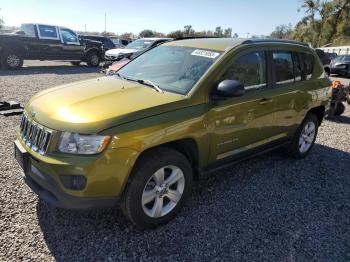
x=22 y=156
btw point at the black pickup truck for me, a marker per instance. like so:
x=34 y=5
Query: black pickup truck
x=48 y=42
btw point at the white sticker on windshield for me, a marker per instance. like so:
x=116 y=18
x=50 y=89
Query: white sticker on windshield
x=205 y=53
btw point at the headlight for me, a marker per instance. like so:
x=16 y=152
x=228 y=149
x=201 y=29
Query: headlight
x=74 y=143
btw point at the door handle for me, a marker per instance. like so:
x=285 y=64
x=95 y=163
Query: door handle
x=265 y=101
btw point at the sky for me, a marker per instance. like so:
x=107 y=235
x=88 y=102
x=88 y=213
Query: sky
x=256 y=17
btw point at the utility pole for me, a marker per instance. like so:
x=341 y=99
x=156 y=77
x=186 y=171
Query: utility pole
x=85 y=27
x=105 y=22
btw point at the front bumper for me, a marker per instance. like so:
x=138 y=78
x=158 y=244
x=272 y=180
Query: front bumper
x=102 y=190
x=49 y=191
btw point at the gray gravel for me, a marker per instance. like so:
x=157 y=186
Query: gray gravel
x=270 y=208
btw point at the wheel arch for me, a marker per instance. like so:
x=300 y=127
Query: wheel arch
x=319 y=112
x=186 y=146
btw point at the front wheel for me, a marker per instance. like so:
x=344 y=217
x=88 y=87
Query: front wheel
x=11 y=60
x=92 y=59
x=304 y=138
x=158 y=188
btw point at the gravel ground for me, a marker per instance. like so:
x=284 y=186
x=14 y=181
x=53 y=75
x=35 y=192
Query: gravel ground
x=270 y=208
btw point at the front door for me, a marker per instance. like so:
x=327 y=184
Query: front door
x=71 y=49
x=242 y=123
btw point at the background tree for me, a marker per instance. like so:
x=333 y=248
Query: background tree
x=218 y=32
x=188 y=30
x=282 y=32
x=146 y=33
x=1 y=22
x=228 y=32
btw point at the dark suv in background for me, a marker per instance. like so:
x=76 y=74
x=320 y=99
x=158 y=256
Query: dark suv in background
x=107 y=43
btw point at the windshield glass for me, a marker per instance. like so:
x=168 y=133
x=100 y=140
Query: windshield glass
x=140 y=44
x=172 y=68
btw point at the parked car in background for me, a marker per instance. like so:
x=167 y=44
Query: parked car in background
x=332 y=55
x=135 y=47
x=120 y=43
x=341 y=65
x=325 y=59
x=107 y=43
x=140 y=138
x=47 y=42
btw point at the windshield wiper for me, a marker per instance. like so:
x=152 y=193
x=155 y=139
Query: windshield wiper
x=151 y=84
x=142 y=81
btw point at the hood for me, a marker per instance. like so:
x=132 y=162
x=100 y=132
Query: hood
x=88 y=107
x=117 y=51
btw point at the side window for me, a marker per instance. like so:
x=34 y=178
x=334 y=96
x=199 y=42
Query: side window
x=297 y=68
x=283 y=64
x=249 y=69
x=308 y=65
x=47 y=31
x=68 y=36
x=28 y=29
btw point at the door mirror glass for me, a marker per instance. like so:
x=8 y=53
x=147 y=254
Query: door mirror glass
x=230 y=88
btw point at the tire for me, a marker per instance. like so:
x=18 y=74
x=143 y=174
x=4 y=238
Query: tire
x=75 y=63
x=340 y=109
x=300 y=147
x=143 y=186
x=11 y=60
x=92 y=59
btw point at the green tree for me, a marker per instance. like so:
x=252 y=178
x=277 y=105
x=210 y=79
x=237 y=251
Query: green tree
x=218 y=32
x=146 y=33
x=176 y=34
x=188 y=30
x=228 y=32
x=282 y=32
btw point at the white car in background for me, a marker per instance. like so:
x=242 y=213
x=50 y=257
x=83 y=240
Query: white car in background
x=134 y=48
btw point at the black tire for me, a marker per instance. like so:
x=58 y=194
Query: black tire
x=75 y=63
x=93 y=59
x=12 y=60
x=144 y=170
x=294 y=149
x=340 y=109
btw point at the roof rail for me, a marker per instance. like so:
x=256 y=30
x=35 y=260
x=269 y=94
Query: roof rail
x=273 y=40
x=193 y=37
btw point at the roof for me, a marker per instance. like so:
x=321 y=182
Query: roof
x=223 y=44
x=218 y=44
x=154 y=38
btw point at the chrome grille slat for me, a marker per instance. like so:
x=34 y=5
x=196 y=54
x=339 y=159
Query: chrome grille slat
x=35 y=136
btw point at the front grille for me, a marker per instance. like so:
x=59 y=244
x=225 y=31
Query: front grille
x=35 y=136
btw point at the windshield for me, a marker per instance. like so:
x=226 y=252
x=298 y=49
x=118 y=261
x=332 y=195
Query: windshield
x=140 y=44
x=172 y=68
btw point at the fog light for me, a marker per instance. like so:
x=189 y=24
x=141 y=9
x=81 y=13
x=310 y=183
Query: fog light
x=73 y=182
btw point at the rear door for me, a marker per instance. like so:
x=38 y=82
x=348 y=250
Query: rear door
x=292 y=74
x=49 y=44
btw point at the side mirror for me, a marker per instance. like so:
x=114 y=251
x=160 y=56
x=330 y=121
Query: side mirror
x=229 y=88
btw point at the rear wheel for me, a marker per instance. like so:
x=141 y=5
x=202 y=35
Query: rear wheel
x=304 y=138
x=11 y=60
x=158 y=188
x=92 y=59
x=339 y=109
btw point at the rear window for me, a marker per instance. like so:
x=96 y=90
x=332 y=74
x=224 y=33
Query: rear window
x=47 y=31
x=28 y=29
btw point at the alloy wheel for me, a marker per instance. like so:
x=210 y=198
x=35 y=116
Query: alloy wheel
x=13 y=61
x=163 y=191
x=307 y=137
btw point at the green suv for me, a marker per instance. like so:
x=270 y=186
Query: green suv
x=139 y=138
